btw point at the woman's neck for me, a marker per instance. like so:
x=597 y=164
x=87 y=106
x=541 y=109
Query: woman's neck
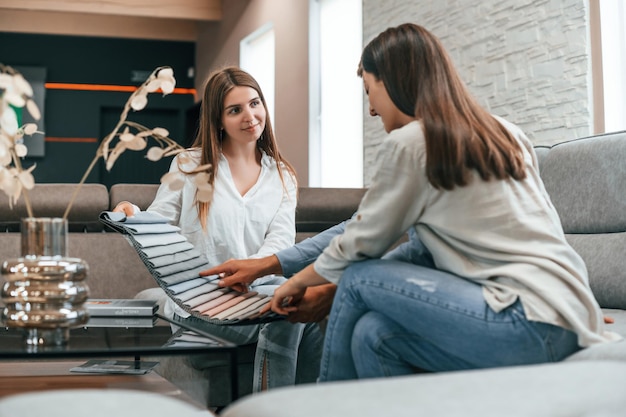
x=243 y=153
x=245 y=165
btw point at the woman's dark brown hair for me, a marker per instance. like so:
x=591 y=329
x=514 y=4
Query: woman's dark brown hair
x=422 y=82
x=209 y=137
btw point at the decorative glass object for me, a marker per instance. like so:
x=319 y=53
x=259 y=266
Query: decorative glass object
x=44 y=290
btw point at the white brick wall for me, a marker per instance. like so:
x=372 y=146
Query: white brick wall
x=525 y=60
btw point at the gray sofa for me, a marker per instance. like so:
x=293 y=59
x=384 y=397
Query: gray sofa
x=586 y=179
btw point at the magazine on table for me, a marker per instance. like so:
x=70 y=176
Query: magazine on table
x=107 y=366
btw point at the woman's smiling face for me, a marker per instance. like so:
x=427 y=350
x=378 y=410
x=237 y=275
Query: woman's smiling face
x=244 y=115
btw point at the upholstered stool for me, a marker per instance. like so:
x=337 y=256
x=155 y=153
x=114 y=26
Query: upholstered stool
x=97 y=403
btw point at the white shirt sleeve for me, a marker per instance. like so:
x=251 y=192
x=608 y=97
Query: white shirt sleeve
x=168 y=202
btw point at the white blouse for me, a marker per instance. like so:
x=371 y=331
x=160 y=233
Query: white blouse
x=257 y=224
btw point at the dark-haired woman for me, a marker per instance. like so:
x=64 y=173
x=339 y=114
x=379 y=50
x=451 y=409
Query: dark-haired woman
x=489 y=279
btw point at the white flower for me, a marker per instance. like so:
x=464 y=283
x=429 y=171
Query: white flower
x=139 y=102
x=30 y=128
x=8 y=120
x=15 y=91
x=168 y=82
x=22 y=86
x=160 y=132
x=21 y=150
x=173 y=180
x=154 y=154
x=32 y=108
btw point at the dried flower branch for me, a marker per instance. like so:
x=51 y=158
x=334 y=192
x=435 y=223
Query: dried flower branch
x=16 y=91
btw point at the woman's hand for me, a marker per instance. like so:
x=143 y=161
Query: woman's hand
x=238 y=274
x=288 y=296
x=126 y=208
x=315 y=304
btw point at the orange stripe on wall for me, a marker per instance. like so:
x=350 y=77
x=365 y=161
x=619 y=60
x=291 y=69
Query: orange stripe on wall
x=104 y=87
x=72 y=140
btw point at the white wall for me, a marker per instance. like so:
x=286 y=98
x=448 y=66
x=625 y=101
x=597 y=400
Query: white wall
x=218 y=45
x=525 y=60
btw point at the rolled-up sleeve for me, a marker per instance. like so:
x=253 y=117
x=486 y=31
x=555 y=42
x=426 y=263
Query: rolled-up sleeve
x=392 y=204
x=295 y=258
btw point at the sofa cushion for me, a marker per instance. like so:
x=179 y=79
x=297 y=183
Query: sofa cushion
x=586 y=180
x=577 y=388
x=115 y=269
x=79 y=402
x=604 y=255
x=619 y=320
x=615 y=351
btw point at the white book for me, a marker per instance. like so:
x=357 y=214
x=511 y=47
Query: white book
x=117 y=307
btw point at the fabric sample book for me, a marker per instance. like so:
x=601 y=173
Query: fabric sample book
x=175 y=265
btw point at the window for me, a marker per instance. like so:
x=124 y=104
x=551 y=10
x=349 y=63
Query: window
x=610 y=64
x=336 y=94
x=256 y=56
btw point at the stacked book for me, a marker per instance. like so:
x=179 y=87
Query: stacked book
x=121 y=312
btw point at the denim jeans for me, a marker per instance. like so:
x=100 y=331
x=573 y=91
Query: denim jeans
x=291 y=352
x=391 y=318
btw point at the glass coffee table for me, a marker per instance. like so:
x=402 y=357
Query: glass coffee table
x=121 y=341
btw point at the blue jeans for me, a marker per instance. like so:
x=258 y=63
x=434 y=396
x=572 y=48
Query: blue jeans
x=392 y=318
x=289 y=353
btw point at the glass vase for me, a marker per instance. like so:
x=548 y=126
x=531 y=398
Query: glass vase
x=44 y=291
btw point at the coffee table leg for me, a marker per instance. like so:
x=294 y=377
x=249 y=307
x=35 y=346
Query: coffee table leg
x=234 y=375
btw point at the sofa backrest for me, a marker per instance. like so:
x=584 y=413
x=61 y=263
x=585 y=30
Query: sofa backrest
x=585 y=178
x=318 y=208
x=141 y=195
x=586 y=181
x=115 y=269
x=51 y=200
x=321 y=208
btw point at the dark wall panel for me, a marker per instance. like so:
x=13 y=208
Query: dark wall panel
x=78 y=120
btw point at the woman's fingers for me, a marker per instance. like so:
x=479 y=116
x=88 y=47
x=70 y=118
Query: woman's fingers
x=126 y=208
